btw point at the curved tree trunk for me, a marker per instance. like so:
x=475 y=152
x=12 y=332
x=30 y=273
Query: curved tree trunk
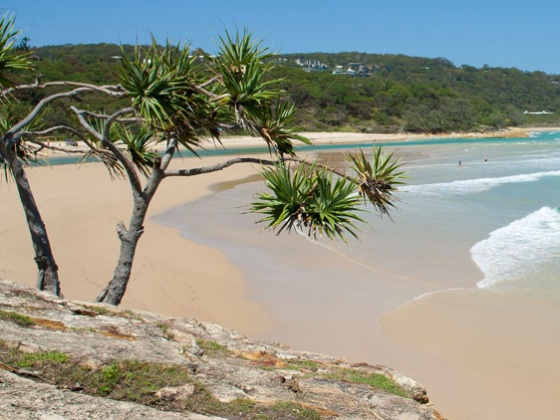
x=129 y=237
x=47 y=278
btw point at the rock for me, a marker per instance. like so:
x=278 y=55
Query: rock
x=178 y=393
x=226 y=364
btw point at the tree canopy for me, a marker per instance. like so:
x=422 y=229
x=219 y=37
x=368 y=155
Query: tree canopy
x=167 y=96
x=415 y=94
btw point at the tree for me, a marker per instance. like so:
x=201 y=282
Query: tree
x=178 y=99
x=22 y=129
x=14 y=155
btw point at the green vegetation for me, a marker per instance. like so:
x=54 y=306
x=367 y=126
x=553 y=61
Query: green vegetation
x=294 y=410
x=137 y=381
x=132 y=380
x=303 y=365
x=309 y=201
x=21 y=320
x=400 y=92
x=375 y=380
x=417 y=94
x=35 y=360
x=213 y=348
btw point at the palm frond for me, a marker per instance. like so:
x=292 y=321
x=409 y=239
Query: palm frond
x=309 y=201
x=163 y=85
x=139 y=144
x=274 y=123
x=378 y=178
x=10 y=60
x=241 y=65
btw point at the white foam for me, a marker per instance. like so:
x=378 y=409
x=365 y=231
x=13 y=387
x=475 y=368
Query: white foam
x=469 y=186
x=518 y=248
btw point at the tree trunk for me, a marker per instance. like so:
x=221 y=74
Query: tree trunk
x=129 y=238
x=47 y=278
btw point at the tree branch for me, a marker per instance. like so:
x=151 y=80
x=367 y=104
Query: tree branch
x=80 y=114
x=113 y=90
x=128 y=166
x=38 y=108
x=219 y=166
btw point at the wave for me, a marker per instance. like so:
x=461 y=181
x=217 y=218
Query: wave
x=469 y=186
x=518 y=249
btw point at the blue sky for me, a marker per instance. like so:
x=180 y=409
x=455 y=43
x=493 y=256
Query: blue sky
x=499 y=33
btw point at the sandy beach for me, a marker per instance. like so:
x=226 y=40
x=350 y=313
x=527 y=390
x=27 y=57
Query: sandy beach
x=173 y=276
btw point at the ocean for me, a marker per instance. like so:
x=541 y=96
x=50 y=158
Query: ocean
x=477 y=216
x=499 y=206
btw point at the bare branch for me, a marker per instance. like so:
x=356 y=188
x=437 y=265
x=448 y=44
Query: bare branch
x=80 y=114
x=48 y=131
x=128 y=165
x=38 y=108
x=113 y=90
x=168 y=153
x=105 y=116
x=219 y=166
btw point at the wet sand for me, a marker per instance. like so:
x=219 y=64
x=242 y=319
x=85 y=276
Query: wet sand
x=81 y=207
x=482 y=354
x=433 y=340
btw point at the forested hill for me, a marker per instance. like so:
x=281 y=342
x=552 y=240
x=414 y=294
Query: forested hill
x=369 y=92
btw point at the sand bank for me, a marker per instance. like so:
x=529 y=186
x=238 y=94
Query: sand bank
x=81 y=206
x=482 y=354
x=176 y=277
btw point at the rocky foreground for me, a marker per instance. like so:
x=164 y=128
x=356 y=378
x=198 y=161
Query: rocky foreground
x=63 y=359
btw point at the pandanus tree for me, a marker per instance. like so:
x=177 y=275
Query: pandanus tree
x=177 y=100
x=15 y=154
x=22 y=131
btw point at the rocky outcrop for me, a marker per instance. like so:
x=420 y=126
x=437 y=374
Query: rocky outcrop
x=230 y=368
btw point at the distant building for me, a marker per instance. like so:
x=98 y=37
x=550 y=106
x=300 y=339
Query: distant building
x=354 y=69
x=338 y=70
x=311 y=65
x=538 y=112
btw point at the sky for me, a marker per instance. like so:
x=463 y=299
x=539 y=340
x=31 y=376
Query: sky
x=499 y=33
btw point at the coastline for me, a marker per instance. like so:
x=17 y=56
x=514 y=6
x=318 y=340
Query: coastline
x=81 y=207
x=213 y=288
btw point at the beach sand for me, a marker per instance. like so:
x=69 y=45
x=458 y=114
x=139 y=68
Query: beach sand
x=173 y=276
x=482 y=354
x=81 y=207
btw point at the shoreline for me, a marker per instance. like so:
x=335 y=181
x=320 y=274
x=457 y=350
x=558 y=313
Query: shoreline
x=213 y=288
x=81 y=228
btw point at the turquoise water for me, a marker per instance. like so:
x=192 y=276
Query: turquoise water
x=490 y=223
x=506 y=207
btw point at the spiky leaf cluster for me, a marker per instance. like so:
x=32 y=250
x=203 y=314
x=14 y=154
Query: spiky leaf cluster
x=10 y=59
x=377 y=178
x=308 y=200
x=163 y=83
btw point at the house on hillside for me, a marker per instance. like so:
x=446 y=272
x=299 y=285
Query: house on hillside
x=538 y=112
x=354 y=69
x=311 y=65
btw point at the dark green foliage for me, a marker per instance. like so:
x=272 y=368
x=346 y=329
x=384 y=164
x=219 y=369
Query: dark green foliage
x=412 y=93
x=309 y=201
x=21 y=320
x=417 y=94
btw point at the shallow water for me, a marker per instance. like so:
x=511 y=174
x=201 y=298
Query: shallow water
x=498 y=209
x=486 y=230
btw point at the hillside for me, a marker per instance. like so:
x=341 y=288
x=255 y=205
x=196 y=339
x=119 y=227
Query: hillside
x=371 y=92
